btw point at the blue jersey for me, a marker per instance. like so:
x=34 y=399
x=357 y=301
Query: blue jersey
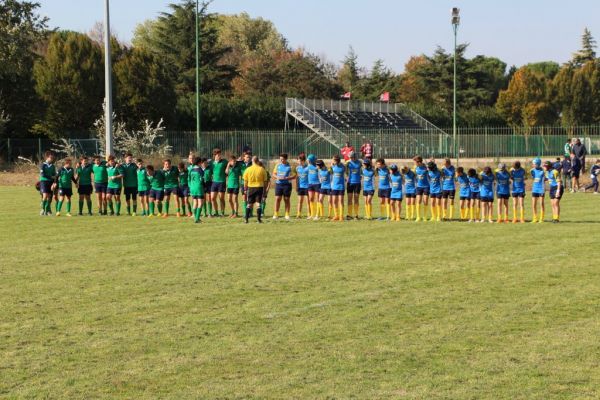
x=396 y=181
x=502 y=182
x=487 y=185
x=338 y=175
x=353 y=172
x=553 y=178
x=282 y=171
x=538 y=176
x=325 y=178
x=368 y=176
x=384 y=178
x=313 y=175
x=463 y=185
x=518 y=180
x=435 y=186
x=474 y=184
x=422 y=177
x=302 y=176
x=448 y=174
x=410 y=180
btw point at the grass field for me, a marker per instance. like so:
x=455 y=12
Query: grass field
x=100 y=307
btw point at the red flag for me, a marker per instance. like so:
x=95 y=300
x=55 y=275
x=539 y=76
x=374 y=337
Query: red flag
x=347 y=96
x=385 y=97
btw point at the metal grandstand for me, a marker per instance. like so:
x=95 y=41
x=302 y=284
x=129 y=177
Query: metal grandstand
x=338 y=122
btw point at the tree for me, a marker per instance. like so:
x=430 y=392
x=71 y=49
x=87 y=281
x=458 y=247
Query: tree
x=348 y=75
x=70 y=81
x=588 y=49
x=547 y=68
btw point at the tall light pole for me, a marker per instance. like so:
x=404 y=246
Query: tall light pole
x=108 y=80
x=197 y=76
x=455 y=24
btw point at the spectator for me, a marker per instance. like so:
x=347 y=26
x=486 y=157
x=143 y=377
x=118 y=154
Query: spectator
x=568 y=148
x=346 y=150
x=580 y=152
x=366 y=150
x=575 y=170
x=595 y=173
x=557 y=165
x=247 y=149
x=566 y=173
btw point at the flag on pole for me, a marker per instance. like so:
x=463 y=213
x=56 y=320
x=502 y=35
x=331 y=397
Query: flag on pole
x=347 y=96
x=385 y=97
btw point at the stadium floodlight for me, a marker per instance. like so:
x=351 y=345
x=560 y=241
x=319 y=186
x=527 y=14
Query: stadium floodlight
x=108 y=81
x=455 y=24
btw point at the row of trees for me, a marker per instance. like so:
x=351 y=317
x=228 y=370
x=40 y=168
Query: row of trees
x=52 y=82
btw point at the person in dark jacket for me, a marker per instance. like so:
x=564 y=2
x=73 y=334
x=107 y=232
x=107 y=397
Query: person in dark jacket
x=575 y=171
x=566 y=173
x=580 y=152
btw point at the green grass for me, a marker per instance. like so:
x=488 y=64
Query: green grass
x=100 y=307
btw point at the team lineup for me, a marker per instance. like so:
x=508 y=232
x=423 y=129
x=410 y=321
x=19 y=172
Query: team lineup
x=201 y=187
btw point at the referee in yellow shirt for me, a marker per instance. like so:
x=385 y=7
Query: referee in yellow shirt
x=255 y=179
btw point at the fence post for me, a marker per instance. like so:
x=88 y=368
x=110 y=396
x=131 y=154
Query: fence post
x=39 y=148
x=8 y=152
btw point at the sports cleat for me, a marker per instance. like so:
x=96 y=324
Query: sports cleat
x=58 y=213
x=315 y=219
x=150 y=215
x=418 y=220
x=287 y=217
x=275 y=217
x=133 y=214
x=68 y=214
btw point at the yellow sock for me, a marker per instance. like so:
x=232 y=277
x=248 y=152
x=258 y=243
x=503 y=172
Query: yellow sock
x=329 y=210
x=356 y=208
x=276 y=214
x=506 y=215
x=341 y=211
x=287 y=214
x=418 y=209
x=534 y=218
x=381 y=210
x=451 y=214
x=320 y=210
x=471 y=212
x=522 y=214
x=387 y=211
x=367 y=212
x=541 y=216
x=444 y=213
x=477 y=211
x=515 y=213
x=439 y=212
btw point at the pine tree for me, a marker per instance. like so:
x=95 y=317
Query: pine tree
x=588 y=49
x=348 y=76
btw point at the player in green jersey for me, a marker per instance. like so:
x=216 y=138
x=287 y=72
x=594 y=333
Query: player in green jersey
x=66 y=178
x=83 y=175
x=130 y=183
x=171 y=174
x=207 y=204
x=219 y=185
x=47 y=182
x=234 y=173
x=115 y=184
x=246 y=162
x=157 y=189
x=143 y=186
x=183 y=191
x=100 y=184
x=196 y=185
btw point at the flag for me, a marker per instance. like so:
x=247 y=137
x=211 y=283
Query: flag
x=347 y=96
x=385 y=97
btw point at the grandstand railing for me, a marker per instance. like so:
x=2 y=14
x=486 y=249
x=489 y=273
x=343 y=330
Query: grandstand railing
x=316 y=122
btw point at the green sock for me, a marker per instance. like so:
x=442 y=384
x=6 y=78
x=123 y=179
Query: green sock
x=80 y=206
x=110 y=206
x=151 y=212
x=263 y=205
x=59 y=205
x=128 y=209
x=118 y=205
x=167 y=208
x=197 y=214
x=68 y=206
x=244 y=205
x=89 y=205
x=204 y=209
x=183 y=208
x=135 y=207
x=44 y=205
x=160 y=208
x=210 y=208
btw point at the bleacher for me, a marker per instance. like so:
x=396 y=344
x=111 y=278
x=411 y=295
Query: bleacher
x=363 y=120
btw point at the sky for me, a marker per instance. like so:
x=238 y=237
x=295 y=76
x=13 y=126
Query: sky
x=516 y=31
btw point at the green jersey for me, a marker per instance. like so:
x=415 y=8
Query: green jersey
x=100 y=175
x=233 y=178
x=157 y=181
x=183 y=178
x=218 y=168
x=113 y=173
x=143 y=183
x=208 y=174
x=84 y=174
x=47 y=172
x=196 y=182
x=129 y=175
x=171 y=178
x=66 y=177
x=244 y=166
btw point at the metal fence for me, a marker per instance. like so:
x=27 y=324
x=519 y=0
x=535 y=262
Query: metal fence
x=472 y=142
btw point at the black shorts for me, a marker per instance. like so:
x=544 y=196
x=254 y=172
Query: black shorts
x=353 y=188
x=314 y=188
x=463 y=198
x=422 y=191
x=368 y=193
x=143 y=193
x=410 y=195
x=46 y=186
x=325 y=192
x=196 y=197
x=114 y=191
x=283 y=189
x=65 y=192
x=101 y=187
x=536 y=195
x=396 y=198
x=553 y=191
x=475 y=196
x=503 y=196
x=336 y=192
x=575 y=174
x=158 y=195
x=518 y=194
x=170 y=191
x=183 y=191
x=384 y=193
x=233 y=190
x=84 y=190
x=487 y=199
x=207 y=186
x=435 y=195
x=131 y=192
x=302 y=192
x=255 y=195
x=448 y=194
x=218 y=187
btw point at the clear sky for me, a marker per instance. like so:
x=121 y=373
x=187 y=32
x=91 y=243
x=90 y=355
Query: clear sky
x=516 y=31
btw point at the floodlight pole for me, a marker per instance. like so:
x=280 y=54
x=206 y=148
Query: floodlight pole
x=455 y=24
x=108 y=81
x=197 y=77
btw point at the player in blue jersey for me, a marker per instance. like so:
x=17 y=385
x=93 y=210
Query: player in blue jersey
x=474 y=189
x=324 y=191
x=502 y=192
x=283 y=175
x=410 y=191
x=368 y=184
x=464 y=192
x=487 y=194
x=538 y=190
x=422 y=187
x=353 y=167
x=314 y=186
x=396 y=181
x=384 y=189
x=556 y=189
x=338 y=184
x=448 y=189
x=517 y=178
x=302 y=185
x=435 y=190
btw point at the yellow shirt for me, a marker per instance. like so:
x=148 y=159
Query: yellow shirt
x=255 y=176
